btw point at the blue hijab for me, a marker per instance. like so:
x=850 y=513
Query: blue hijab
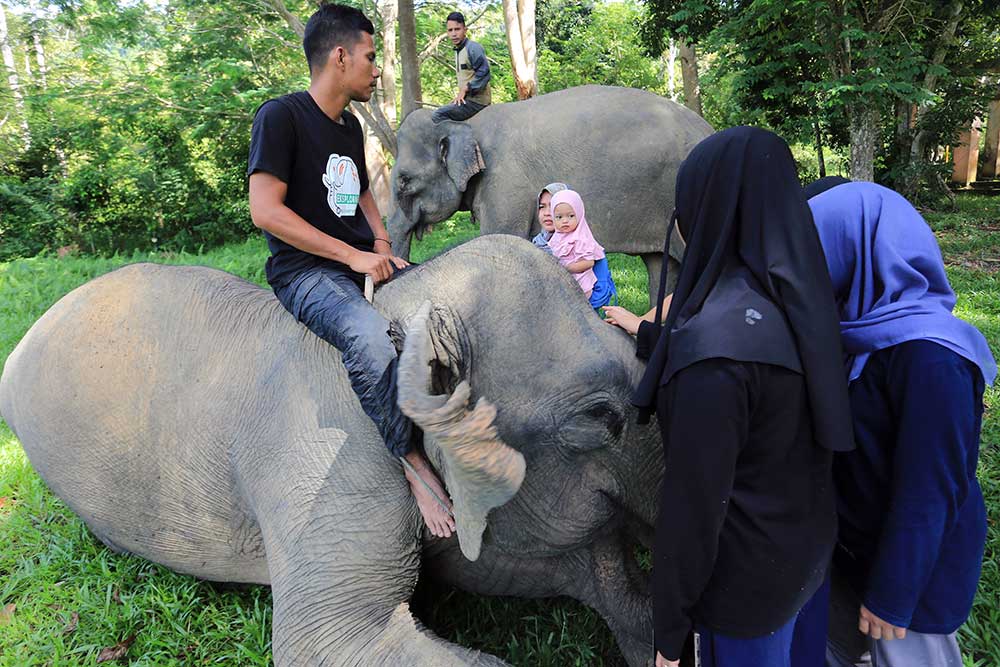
x=888 y=277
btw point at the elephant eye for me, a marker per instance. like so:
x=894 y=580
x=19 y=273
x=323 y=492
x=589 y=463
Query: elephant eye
x=598 y=421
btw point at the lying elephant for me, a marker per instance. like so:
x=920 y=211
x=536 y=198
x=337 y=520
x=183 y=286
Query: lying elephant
x=619 y=147
x=189 y=419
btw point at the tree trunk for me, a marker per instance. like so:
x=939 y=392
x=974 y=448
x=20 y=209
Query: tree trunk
x=671 y=55
x=526 y=22
x=918 y=145
x=864 y=133
x=378 y=172
x=390 y=12
x=412 y=96
x=991 y=154
x=905 y=118
x=819 y=150
x=689 y=72
x=43 y=72
x=15 y=87
x=43 y=83
x=523 y=69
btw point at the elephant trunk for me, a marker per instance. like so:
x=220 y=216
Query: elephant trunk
x=400 y=230
x=480 y=471
x=640 y=498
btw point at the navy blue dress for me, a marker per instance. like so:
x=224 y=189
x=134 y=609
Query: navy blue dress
x=912 y=517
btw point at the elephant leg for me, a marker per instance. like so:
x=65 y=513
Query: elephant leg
x=342 y=537
x=654 y=266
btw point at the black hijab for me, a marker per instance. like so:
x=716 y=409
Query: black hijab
x=753 y=283
x=821 y=185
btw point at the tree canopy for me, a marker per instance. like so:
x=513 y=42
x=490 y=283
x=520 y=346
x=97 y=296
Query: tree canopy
x=124 y=124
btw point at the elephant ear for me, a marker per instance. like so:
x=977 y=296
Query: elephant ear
x=480 y=471
x=460 y=153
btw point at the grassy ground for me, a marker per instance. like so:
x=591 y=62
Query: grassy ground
x=67 y=600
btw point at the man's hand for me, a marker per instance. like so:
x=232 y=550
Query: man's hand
x=460 y=98
x=379 y=267
x=663 y=662
x=873 y=626
x=382 y=247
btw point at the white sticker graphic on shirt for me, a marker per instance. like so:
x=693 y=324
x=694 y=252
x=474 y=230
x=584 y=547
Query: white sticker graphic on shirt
x=342 y=184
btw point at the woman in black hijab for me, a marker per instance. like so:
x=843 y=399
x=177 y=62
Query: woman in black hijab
x=747 y=383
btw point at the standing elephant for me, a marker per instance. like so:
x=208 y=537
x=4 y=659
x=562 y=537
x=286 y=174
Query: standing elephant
x=618 y=147
x=188 y=418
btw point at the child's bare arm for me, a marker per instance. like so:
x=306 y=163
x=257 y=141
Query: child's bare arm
x=580 y=266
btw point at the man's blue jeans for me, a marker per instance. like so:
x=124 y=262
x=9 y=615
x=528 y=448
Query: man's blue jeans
x=333 y=307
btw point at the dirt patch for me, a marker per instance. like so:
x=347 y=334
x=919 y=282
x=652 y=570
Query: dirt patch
x=975 y=261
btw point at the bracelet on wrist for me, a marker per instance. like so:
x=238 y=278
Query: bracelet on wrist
x=379 y=238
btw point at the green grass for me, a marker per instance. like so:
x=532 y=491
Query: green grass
x=52 y=568
x=970 y=242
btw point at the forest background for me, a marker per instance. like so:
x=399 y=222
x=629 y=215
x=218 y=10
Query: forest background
x=124 y=125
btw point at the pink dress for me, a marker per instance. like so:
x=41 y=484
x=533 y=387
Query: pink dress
x=578 y=244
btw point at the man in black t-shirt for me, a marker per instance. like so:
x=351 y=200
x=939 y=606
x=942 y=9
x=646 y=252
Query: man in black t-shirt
x=309 y=194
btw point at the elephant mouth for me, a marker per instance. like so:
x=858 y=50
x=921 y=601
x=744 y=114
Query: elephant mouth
x=420 y=228
x=566 y=533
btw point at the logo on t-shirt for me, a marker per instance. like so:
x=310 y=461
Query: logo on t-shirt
x=342 y=184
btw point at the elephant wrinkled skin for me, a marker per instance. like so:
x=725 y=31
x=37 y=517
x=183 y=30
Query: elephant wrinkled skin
x=189 y=419
x=620 y=148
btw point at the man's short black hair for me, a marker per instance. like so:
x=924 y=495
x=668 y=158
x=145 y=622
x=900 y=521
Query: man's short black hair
x=456 y=16
x=332 y=26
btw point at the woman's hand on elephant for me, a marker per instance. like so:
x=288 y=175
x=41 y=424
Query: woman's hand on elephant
x=622 y=318
x=379 y=267
x=663 y=662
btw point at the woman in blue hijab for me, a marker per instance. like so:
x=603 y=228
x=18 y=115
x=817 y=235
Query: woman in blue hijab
x=912 y=517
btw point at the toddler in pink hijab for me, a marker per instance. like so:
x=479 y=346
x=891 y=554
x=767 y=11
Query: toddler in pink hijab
x=572 y=243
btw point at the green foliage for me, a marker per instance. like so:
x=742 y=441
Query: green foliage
x=810 y=65
x=139 y=134
x=601 y=46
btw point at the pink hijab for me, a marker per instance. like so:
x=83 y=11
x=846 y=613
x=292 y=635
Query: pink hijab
x=579 y=243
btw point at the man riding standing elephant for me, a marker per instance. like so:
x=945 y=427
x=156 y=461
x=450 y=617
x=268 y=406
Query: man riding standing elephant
x=472 y=70
x=309 y=194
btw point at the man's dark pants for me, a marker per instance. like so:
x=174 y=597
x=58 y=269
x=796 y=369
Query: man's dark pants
x=463 y=111
x=333 y=307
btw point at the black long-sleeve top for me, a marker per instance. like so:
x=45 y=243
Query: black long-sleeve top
x=747 y=517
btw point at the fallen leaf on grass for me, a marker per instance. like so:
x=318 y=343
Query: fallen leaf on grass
x=186 y=652
x=74 y=619
x=7 y=613
x=3 y=501
x=116 y=652
x=115 y=595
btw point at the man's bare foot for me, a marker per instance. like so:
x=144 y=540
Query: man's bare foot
x=440 y=522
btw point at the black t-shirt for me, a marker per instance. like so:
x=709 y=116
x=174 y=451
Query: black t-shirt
x=323 y=164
